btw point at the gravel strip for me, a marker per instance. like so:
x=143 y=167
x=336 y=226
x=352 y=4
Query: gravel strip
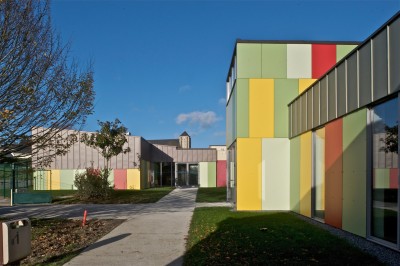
x=385 y=255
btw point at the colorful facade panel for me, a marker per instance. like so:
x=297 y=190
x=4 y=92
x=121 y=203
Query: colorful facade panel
x=274 y=60
x=120 y=176
x=275 y=174
x=249 y=60
x=242 y=108
x=248 y=174
x=355 y=172
x=304 y=84
x=261 y=108
x=212 y=174
x=323 y=58
x=221 y=173
x=305 y=173
x=285 y=90
x=333 y=173
x=295 y=174
x=133 y=179
x=299 y=53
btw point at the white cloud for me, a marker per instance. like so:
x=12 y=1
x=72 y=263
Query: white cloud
x=185 y=88
x=222 y=101
x=203 y=119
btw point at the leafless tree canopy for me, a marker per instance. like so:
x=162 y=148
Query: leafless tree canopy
x=40 y=86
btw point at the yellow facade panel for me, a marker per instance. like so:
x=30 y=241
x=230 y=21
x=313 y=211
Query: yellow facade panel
x=304 y=84
x=261 y=108
x=305 y=174
x=249 y=167
x=133 y=179
x=55 y=180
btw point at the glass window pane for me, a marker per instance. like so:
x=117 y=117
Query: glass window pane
x=385 y=171
x=319 y=173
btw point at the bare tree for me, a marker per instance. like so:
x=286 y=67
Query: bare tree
x=40 y=86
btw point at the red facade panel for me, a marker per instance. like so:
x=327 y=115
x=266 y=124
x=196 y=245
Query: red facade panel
x=333 y=173
x=120 y=179
x=221 y=173
x=323 y=58
x=394 y=178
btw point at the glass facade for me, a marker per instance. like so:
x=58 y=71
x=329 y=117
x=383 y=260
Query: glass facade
x=385 y=178
x=319 y=174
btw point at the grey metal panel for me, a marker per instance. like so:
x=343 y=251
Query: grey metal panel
x=303 y=104
x=332 y=95
x=119 y=161
x=82 y=155
x=309 y=110
x=394 y=55
x=341 y=90
x=316 y=105
x=364 y=73
x=352 y=86
x=380 y=65
x=323 y=104
x=294 y=118
x=190 y=155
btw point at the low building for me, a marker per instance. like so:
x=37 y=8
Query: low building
x=150 y=163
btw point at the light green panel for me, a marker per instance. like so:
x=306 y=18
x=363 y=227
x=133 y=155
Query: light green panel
x=144 y=174
x=382 y=178
x=248 y=60
x=295 y=174
x=275 y=182
x=67 y=178
x=242 y=114
x=212 y=174
x=285 y=90
x=111 y=178
x=343 y=50
x=203 y=174
x=355 y=172
x=274 y=60
x=40 y=180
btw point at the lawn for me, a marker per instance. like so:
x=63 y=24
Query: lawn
x=214 y=194
x=219 y=236
x=149 y=195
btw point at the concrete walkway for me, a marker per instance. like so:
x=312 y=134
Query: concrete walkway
x=154 y=234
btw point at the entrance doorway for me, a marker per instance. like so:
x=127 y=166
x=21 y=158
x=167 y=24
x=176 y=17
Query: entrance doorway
x=187 y=174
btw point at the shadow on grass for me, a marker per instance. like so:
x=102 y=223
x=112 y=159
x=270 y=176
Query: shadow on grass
x=218 y=236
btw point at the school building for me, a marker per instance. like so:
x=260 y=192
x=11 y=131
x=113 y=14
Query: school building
x=312 y=127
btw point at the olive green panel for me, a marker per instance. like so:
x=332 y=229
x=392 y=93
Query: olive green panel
x=231 y=119
x=212 y=174
x=343 y=50
x=242 y=101
x=355 y=172
x=274 y=60
x=248 y=60
x=285 y=90
x=295 y=174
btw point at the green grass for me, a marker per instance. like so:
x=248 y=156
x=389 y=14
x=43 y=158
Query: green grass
x=214 y=194
x=218 y=236
x=149 y=195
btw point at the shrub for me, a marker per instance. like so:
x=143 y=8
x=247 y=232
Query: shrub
x=93 y=184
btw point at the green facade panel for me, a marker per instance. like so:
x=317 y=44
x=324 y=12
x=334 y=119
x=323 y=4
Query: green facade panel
x=381 y=178
x=295 y=174
x=343 y=50
x=248 y=60
x=67 y=178
x=242 y=105
x=212 y=174
x=285 y=90
x=274 y=60
x=355 y=172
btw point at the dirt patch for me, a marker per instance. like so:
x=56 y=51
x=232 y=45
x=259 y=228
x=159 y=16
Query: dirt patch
x=58 y=240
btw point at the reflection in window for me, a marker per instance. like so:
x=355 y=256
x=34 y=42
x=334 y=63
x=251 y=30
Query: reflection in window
x=319 y=173
x=385 y=171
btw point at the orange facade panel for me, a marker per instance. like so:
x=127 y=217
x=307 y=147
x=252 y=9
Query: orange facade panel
x=333 y=173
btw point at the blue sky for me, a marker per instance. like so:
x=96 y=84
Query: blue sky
x=160 y=66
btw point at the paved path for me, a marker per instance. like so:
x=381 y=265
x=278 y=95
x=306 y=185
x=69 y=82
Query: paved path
x=153 y=234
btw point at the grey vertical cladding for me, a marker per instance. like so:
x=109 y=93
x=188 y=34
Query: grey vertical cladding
x=195 y=156
x=323 y=105
x=294 y=118
x=364 y=72
x=290 y=121
x=85 y=160
x=309 y=110
x=316 y=105
x=380 y=65
x=352 y=91
x=303 y=104
x=341 y=90
x=332 y=95
x=298 y=115
x=394 y=55
x=190 y=156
